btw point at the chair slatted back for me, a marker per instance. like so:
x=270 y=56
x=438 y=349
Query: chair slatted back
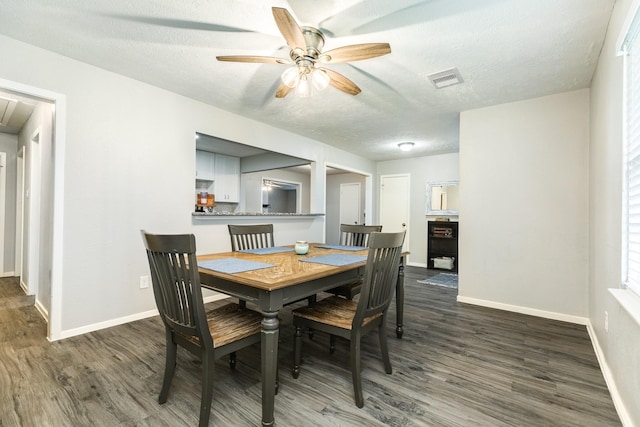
x=245 y=237
x=176 y=287
x=381 y=274
x=357 y=235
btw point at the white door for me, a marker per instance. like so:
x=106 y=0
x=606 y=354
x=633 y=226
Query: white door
x=350 y=210
x=394 y=204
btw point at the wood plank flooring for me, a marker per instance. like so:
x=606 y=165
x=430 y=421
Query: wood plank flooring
x=457 y=365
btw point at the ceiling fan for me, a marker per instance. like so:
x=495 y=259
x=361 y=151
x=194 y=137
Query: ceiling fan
x=306 y=54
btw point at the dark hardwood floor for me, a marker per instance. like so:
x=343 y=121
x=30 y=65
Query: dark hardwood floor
x=457 y=365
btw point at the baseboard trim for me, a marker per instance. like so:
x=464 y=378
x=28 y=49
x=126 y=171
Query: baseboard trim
x=42 y=310
x=8 y=274
x=525 y=310
x=621 y=409
x=417 y=264
x=125 y=319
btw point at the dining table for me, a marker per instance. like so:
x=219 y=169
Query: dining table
x=271 y=278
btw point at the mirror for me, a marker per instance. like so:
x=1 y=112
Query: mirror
x=442 y=198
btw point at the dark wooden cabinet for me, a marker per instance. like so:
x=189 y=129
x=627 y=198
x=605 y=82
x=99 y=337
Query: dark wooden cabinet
x=442 y=244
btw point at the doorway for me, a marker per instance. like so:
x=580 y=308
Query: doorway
x=280 y=196
x=360 y=209
x=47 y=251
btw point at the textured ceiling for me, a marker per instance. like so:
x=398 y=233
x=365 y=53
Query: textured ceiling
x=505 y=50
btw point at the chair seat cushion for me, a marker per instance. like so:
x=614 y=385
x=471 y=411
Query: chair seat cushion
x=334 y=311
x=231 y=323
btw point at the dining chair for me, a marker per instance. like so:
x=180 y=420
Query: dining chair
x=353 y=235
x=208 y=335
x=245 y=237
x=350 y=319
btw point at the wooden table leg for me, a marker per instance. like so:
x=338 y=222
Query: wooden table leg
x=400 y=299
x=270 y=332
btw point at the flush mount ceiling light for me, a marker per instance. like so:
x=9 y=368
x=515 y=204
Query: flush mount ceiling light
x=406 y=146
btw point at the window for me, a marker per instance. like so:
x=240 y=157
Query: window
x=630 y=47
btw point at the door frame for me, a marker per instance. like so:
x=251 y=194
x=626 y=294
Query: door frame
x=59 y=139
x=368 y=192
x=34 y=203
x=3 y=198
x=20 y=187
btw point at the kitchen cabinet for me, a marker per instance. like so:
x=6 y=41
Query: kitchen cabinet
x=227 y=178
x=205 y=167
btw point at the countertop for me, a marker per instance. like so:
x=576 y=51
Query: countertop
x=251 y=214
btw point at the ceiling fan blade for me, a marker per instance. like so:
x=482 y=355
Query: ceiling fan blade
x=289 y=28
x=180 y=23
x=254 y=59
x=283 y=90
x=355 y=52
x=341 y=82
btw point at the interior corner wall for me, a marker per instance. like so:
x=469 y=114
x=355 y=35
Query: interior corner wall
x=9 y=145
x=619 y=346
x=524 y=205
x=425 y=169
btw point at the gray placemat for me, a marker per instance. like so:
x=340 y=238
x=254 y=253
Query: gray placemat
x=343 y=247
x=233 y=265
x=335 y=259
x=265 y=251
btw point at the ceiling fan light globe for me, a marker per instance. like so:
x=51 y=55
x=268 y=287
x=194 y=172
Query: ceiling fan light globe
x=320 y=79
x=304 y=88
x=290 y=77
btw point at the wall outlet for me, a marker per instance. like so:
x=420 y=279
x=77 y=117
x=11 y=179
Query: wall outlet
x=144 y=282
x=606 y=321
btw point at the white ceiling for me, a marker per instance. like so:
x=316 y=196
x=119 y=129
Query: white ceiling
x=505 y=50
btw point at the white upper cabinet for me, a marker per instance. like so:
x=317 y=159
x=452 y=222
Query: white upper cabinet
x=205 y=167
x=227 y=178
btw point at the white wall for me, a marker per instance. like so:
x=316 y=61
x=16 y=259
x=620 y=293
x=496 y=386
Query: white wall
x=620 y=346
x=129 y=165
x=9 y=145
x=524 y=205
x=444 y=167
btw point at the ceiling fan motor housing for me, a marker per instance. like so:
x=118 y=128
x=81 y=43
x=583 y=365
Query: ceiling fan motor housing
x=315 y=42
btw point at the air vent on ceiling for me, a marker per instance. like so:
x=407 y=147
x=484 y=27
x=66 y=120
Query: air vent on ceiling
x=446 y=78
